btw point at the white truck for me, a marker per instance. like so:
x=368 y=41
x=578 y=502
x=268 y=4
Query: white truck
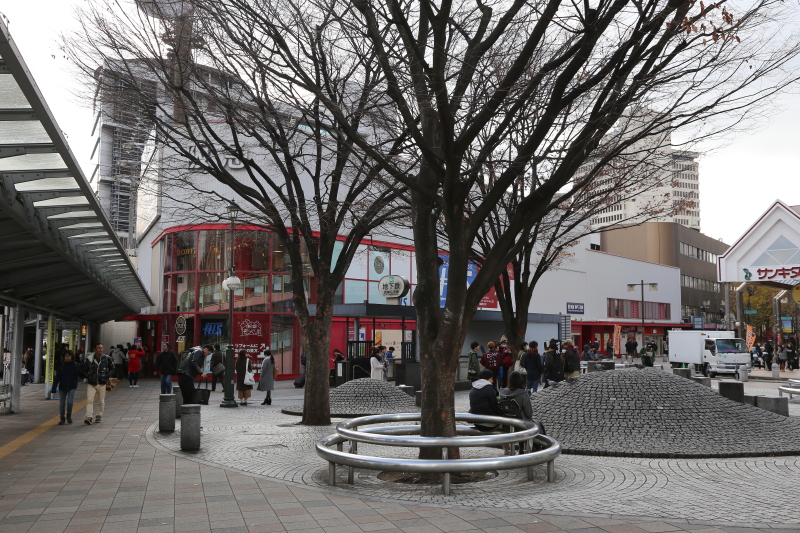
x=711 y=352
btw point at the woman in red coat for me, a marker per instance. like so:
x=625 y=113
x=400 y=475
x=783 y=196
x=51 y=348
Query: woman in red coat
x=134 y=357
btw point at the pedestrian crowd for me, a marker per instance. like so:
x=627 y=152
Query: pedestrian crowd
x=784 y=355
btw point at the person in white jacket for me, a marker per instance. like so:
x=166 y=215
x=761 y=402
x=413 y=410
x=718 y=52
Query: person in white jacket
x=376 y=365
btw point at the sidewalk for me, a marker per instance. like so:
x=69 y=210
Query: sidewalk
x=108 y=477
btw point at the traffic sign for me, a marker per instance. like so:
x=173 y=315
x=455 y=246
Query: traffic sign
x=751 y=311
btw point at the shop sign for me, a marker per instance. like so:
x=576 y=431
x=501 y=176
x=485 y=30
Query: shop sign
x=393 y=286
x=566 y=328
x=187 y=251
x=574 y=308
x=180 y=325
x=181 y=338
x=378 y=265
x=250 y=327
x=698 y=322
x=213 y=328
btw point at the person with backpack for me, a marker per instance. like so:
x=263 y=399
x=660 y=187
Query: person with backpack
x=473 y=363
x=532 y=362
x=553 y=366
x=189 y=370
x=491 y=360
x=515 y=402
x=572 y=361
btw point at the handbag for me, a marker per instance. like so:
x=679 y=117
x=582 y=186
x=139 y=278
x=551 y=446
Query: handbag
x=218 y=369
x=111 y=383
x=201 y=396
x=275 y=371
x=249 y=378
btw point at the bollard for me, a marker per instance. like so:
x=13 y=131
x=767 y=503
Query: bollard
x=683 y=372
x=776 y=371
x=732 y=390
x=166 y=412
x=176 y=390
x=775 y=405
x=742 y=373
x=702 y=380
x=190 y=427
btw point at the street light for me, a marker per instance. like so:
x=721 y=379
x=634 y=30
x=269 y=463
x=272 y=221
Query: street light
x=231 y=285
x=631 y=288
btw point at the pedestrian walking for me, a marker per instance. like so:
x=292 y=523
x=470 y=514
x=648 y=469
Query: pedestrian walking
x=98 y=368
x=791 y=357
x=630 y=348
x=216 y=359
x=770 y=350
x=266 y=383
x=30 y=364
x=572 y=361
x=134 y=358
x=532 y=362
x=166 y=366
x=189 y=370
x=491 y=360
x=118 y=358
x=473 y=363
x=782 y=356
x=66 y=383
x=242 y=369
x=553 y=365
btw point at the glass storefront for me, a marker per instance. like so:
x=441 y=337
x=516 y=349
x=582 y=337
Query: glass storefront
x=195 y=307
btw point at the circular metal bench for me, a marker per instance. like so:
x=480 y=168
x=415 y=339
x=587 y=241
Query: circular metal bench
x=527 y=433
x=792 y=388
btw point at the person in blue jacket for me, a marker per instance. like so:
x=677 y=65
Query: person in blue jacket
x=66 y=381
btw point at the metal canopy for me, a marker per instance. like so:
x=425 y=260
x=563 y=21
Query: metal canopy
x=55 y=240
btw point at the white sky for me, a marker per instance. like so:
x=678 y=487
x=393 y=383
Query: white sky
x=737 y=182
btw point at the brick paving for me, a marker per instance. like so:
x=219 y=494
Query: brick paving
x=109 y=477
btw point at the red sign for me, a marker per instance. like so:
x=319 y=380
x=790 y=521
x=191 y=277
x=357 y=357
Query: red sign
x=489 y=300
x=783 y=273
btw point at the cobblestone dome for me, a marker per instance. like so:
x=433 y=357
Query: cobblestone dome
x=366 y=396
x=652 y=413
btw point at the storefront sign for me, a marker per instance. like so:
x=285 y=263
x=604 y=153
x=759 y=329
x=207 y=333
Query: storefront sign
x=187 y=251
x=566 y=328
x=617 y=339
x=213 y=329
x=574 y=308
x=250 y=327
x=378 y=265
x=698 y=322
x=180 y=325
x=782 y=273
x=393 y=286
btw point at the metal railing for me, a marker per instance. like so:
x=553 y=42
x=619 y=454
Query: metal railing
x=793 y=388
x=408 y=436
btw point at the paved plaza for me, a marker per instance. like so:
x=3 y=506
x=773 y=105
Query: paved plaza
x=257 y=472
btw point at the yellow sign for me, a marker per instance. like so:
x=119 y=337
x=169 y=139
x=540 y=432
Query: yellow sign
x=796 y=294
x=751 y=338
x=617 y=339
x=51 y=352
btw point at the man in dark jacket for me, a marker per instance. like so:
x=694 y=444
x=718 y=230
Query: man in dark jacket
x=631 y=347
x=166 y=366
x=553 y=365
x=98 y=368
x=189 y=370
x=572 y=361
x=532 y=362
x=216 y=358
x=66 y=381
x=483 y=398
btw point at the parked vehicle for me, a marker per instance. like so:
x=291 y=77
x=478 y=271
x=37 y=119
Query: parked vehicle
x=711 y=352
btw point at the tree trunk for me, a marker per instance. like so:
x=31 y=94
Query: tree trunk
x=316 y=341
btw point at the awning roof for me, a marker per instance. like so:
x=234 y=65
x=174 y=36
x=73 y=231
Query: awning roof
x=58 y=251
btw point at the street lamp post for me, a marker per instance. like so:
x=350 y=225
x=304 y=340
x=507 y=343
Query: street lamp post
x=631 y=288
x=231 y=285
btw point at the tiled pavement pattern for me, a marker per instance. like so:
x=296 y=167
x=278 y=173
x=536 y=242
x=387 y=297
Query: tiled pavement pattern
x=652 y=413
x=107 y=477
x=366 y=396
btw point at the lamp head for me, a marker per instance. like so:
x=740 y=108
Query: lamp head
x=232 y=284
x=233 y=211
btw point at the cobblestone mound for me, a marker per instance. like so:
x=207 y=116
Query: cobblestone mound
x=652 y=413
x=360 y=397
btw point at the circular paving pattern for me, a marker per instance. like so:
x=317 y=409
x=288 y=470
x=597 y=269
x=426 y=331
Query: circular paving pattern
x=652 y=413
x=365 y=396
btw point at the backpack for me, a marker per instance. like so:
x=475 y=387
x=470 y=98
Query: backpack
x=509 y=408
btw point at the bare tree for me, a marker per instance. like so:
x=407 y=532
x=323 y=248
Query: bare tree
x=463 y=76
x=229 y=129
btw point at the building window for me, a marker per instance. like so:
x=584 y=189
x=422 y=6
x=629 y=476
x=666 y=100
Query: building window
x=695 y=252
x=618 y=308
x=699 y=284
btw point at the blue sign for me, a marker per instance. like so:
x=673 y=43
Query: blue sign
x=751 y=311
x=212 y=328
x=574 y=308
x=698 y=322
x=472 y=272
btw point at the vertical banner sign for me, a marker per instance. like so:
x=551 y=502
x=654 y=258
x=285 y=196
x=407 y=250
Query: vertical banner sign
x=617 y=339
x=51 y=351
x=751 y=338
x=566 y=328
x=72 y=340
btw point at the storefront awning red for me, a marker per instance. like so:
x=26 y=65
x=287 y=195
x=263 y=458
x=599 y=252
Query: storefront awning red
x=632 y=324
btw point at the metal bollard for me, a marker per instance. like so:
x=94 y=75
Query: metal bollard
x=176 y=390
x=743 y=376
x=166 y=412
x=190 y=427
x=350 y=469
x=776 y=370
x=445 y=476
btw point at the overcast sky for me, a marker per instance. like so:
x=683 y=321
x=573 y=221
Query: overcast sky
x=737 y=182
